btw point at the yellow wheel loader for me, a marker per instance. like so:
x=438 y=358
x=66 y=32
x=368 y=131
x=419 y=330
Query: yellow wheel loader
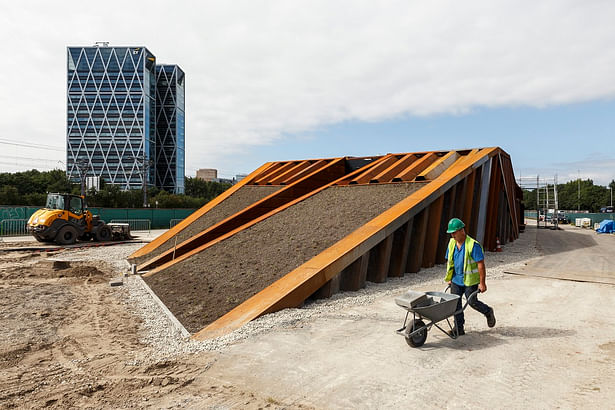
x=66 y=218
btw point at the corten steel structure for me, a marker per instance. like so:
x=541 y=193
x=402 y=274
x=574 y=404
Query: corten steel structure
x=114 y=130
x=477 y=185
x=170 y=125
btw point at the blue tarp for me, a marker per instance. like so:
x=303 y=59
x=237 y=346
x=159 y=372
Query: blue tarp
x=606 y=226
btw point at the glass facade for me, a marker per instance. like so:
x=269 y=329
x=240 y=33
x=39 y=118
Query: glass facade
x=112 y=131
x=170 y=125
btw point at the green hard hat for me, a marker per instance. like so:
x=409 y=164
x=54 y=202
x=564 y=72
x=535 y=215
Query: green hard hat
x=454 y=225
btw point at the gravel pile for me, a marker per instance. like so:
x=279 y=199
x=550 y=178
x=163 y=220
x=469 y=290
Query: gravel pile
x=167 y=341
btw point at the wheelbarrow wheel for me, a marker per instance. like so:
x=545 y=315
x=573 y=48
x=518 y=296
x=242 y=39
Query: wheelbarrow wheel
x=417 y=339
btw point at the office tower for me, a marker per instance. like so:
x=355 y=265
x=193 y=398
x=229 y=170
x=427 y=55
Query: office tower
x=170 y=124
x=112 y=111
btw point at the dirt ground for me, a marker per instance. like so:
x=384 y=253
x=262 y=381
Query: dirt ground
x=204 y=287
x=70 y=340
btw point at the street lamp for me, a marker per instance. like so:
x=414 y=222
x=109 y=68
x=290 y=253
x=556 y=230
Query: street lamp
x=611 y=189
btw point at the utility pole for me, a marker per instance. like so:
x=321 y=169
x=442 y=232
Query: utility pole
x=143 y=166
x=579 y=191
x=82 y=166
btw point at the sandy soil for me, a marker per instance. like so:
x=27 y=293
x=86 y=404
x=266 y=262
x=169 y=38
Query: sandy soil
x=242 y=198
x=201 y=289
x=70 y=341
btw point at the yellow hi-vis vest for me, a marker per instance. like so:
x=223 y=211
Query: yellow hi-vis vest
x=470 y=266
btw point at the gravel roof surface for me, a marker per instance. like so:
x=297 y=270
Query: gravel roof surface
x=240 y=199
x=209 y=284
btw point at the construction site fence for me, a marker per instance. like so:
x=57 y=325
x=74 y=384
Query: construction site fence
x=174 y=222
x=135 y=224
x=159 y=218
x=13 y=227
x=572 y=216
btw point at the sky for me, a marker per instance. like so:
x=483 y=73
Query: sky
x=288 y=80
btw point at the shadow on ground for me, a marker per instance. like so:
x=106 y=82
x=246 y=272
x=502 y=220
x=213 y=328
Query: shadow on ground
x=482 y=339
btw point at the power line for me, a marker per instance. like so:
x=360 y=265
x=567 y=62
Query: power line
x=30 y=159
x=30 y=145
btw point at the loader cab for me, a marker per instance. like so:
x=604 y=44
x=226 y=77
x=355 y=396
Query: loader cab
x=75 y=204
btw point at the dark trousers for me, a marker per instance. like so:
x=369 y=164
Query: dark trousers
x=474 y=303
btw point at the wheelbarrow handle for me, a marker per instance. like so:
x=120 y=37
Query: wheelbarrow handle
x=472 y=295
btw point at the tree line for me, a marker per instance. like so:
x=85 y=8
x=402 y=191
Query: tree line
x=30 y=188
x=575 y=195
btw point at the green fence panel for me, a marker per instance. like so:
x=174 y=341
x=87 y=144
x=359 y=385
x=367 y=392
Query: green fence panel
x=571 y=216
x=596 y=217
x=17 y=212
x=159 y=218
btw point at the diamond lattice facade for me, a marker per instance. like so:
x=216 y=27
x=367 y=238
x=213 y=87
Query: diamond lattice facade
x=111 y=119
x=170 y=123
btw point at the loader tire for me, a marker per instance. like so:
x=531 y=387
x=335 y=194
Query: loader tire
x=67 y=235
x=103 y=234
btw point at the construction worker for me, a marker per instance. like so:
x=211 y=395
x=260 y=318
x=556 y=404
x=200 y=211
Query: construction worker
x=465 y=272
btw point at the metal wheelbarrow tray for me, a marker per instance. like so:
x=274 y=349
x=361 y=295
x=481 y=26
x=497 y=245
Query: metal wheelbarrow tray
x=432 y=306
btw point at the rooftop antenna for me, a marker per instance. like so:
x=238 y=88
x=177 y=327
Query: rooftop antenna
x=101 y=44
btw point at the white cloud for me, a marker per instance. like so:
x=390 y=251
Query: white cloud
x=256 y=70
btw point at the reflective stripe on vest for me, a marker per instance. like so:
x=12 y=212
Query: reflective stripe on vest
x=470 y=266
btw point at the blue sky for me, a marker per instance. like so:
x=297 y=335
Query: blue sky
x=298 y=79
x=567 y=140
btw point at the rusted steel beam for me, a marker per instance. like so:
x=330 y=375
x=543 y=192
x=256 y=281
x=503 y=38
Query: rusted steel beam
x=416 y=167
x=417 y=241
x=483 y=196
x=266 y=180
x=434 y=170
x=301 y=165
x=387 y=174
x=460 y=199
x=354 y=276
x=380 y=165
x=510 y=185
x=265 y=174
x=168 y=235
x=447 y=213
x=476 y=202
x=433 y=232
x=468 y=198
x=292 y=289
x=328 y=289
x=310 y=185
x=492 y=207
x=379 y=263
x=401 y=246
x=310 y=169
x=373 y=161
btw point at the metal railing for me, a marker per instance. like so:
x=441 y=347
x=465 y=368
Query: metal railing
x=174 y=222
x=13 y=227
x=135 y=224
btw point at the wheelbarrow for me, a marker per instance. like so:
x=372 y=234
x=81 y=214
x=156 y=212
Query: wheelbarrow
x=430 y=307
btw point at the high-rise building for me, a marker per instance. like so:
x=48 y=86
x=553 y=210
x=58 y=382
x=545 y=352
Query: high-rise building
x=112 y=131
x=170 y=124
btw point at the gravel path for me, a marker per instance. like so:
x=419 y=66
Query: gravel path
x=242 y=198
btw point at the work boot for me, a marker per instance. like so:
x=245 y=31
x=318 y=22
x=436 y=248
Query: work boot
x=456 y=332
x=490 y=318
